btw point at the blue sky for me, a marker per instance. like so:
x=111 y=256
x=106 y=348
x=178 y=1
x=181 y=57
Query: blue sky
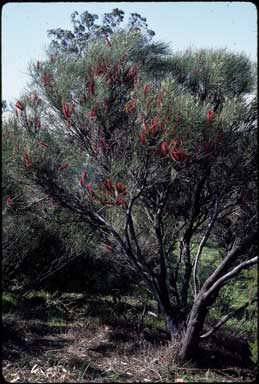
x=182 y=24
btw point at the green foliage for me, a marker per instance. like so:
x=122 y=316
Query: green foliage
x=9 y=302
x=213 y=73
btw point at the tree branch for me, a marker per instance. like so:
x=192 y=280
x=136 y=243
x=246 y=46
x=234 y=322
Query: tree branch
x=237 y=249
x=203 y=243
x=225 y=319
x=223 y=279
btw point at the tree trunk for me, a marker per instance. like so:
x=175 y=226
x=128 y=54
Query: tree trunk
x=194 y=328
x=172 y=327
x=185 y=255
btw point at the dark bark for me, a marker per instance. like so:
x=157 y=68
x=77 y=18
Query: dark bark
x=185 y=255
x=194 y=327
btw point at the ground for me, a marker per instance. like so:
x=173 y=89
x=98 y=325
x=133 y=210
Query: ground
x=75 y=338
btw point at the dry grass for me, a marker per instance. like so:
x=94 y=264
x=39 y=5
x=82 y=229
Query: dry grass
x=89 y=350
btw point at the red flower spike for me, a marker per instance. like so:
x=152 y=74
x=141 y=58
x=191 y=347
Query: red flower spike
x=210 y=115
x=120 y=201
x=19 y=105
x=26 y=160
x=164 y=148
x=101 y=143
x=45 y=79
x=94 y=196
x=108 y=248
x=64 y=166
x=147 y=88
x=108 y=185
x=9 y=202
x=153 y=129
x=142 y=138
x=89 y=188
x=91 y=87
x=121 y=188
x=37 y=123
x=93 y=112
x=179 y=154
x=42 y=144
x=82 y=182
x=68 y=110
x=133 y=72
x=84 y=174
x=100 y=69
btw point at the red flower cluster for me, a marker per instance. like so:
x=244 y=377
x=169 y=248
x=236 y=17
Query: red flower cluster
x=91 y=87
x=142 y=138
x=9 y=202
x=68 y=110
x=89 y=187
x=210 y=115
x=120 y=201
x=156 y=125
x=102 y=143
x=100 y=69
x=107 y=248
x=93 y=112
x=83 y=178
x=42 y=144
x=63 y=167
x=164 y=148
x=26 y=160
x=133 y=72
x=108 y=185
x=153 y=129
x=89 y=190
x=45 y=79
x=121 y=188
x=178 y=154
x=147 y=88
x=117 y=190
x=19 y=105
x=37 y=123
